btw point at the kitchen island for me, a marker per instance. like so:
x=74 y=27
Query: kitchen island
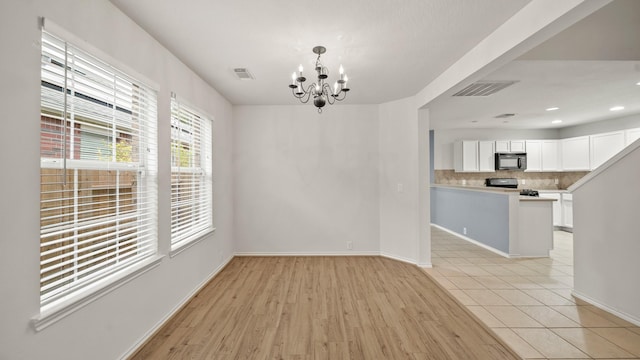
x=498 y=219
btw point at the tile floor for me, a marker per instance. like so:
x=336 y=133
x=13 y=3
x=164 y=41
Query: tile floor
x=528 y=302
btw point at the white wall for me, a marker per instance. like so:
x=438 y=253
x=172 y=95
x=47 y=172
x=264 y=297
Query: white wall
x=306 y=183
x=606 y=204
x=621 y=123
x=444 y=139
x=399 y=180
x=112 y=325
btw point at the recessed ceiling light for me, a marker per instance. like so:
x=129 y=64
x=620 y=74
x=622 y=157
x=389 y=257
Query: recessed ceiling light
x=638 y=83
x=617 y=108
x=552 y=108
x=556 y=121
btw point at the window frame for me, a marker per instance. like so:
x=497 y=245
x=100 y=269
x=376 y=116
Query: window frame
x=79 y=293
x=181 y=109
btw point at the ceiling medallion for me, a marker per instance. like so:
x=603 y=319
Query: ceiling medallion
x=320 y=90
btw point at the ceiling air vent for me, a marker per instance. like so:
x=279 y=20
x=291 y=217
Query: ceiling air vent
x=243 y=74
x=504 y=116
x=484 y=88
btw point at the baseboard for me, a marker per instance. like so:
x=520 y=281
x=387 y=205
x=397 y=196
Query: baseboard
x=475 y=242
x=330 y=253
x=624 y=316
x=149 y=334
x=398 y=258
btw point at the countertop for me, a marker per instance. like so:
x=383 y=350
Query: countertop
x=478 y=188
x=535 y=198
x=498 y=190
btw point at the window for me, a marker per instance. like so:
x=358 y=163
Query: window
x=191 y=179
x=98 y=197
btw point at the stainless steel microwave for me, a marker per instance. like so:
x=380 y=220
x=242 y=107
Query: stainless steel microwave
x=511 y=161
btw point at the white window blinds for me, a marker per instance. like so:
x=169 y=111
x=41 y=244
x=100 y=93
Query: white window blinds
x=98 y=151
x=191 y=178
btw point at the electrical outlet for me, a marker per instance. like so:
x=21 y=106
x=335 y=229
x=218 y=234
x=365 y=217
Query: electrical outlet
x=400 y=188
x=524 y=181
x=350 y=245
x=464 y=231
x=556 y=181
x=464 y=182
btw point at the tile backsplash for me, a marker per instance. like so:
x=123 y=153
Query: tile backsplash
x=533 y=180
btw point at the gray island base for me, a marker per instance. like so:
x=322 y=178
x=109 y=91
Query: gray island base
x=497 y=219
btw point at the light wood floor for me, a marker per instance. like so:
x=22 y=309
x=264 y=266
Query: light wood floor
x=322 y=308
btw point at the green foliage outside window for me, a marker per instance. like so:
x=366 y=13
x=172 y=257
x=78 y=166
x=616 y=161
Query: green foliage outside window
x=123 y=152
x=181 y=155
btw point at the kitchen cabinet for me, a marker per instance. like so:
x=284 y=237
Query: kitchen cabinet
x=510 y=146
x=486 y=158
x=631 y=135
x=465 y=156
x=543 y=155
x=575 y=153
x=567 y=210
x=473 y=156
x=550 y=155
x=534 y=155
x=557 y=206
x=517 y=146
x=605 y=146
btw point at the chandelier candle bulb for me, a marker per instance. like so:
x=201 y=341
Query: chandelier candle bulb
x=335 y=89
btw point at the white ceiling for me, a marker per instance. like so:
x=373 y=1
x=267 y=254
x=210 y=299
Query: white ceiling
x=583 y=91
x=390 y=49
x=584 y=70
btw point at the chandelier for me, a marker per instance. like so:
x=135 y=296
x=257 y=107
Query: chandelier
x=320 y=90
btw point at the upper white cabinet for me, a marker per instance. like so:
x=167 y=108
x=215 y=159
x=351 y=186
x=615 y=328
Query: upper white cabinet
x=575 y=153
x=510 y=146
x=605 y=146
x=465 y=156
x=631 y=135
x=543 y=155
x=550 y=155
x=486 y=159
x=534 y=155
x=473 y=156
x=582 y=153
x=518 y=146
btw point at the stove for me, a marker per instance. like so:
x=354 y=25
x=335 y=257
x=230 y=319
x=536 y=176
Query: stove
x=509 y=183
x=529 y=192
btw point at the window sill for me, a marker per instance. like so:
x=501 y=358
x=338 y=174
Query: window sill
x=185 y=244
x=61 y=310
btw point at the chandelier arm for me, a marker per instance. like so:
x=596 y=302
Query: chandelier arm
x=344 y=96
x=298 y=95
x=330 y=99
x=304 y=98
